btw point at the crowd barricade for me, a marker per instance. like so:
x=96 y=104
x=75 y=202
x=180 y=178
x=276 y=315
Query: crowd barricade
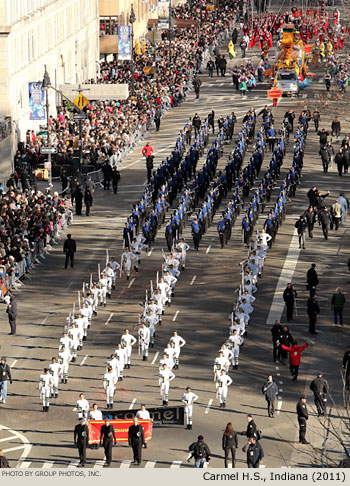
x=10 y=276
x=96 y=176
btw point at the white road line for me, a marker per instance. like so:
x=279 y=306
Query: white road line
x=150 y=252
x=278 y=374
x=150 y=463
x=279 y=407
x=280 y=382
x=27 y=445
x=287 y=272
x=208 y=249
x=84 y=359
x=132 y=404
x=13 y=364
x=277 y=367
x=24 y=464
x=155 y=357
x=109 y=318
x=48 y=464
x=17 y=448
x=209 y=405
x=175 y=316
x=125 y=463
x=193 y=279
x=262 y=465
x=279 y=398
x=176 y=464
x=280 y=390
x=99 y=463
x=73 y=464
x=131 y=282
x=7 y=438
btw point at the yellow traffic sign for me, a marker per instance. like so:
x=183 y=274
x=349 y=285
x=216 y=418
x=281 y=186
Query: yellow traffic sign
x=80 y=101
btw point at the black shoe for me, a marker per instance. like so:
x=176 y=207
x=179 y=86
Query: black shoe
x=84 y=338
x=304 y=442
x=44 y=409
x=111 y=406
x=144 y=358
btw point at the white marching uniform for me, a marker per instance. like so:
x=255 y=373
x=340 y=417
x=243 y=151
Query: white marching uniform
x=115 y=267
x=95 y=415
x=220 y=364
x=227 y=354
x=170 y=280
x=82 y=324
x=143 y=415
x=75 y=335
x=64 y=358
x=109 y=273
x=67 y=343
x=168 y=362
x=103 y=284
x=165 y=377
x=224 y=381
x=188 y=399
x=82 y=408
x=109 y=384
x=183 y=248
x=114 y=364
x=165 y=291
x=144 y=338
x=55 y=371
x=45 y=386
x=127 y=259
x=120 y=355
x=95 y=295
x=177 y=342
x=170 y=352
x=235 y=342
x=89 y=301
x=127 y=342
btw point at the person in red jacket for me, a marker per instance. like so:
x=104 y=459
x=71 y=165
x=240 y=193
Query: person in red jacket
x=147 y=150
x=294 y=358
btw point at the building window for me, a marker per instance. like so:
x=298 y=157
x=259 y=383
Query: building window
x=108 y=26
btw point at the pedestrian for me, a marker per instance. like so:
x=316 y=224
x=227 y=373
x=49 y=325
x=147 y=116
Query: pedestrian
x=211 y=120
x=106 y=438
x=107 y=175
x=81 y=440
x=336 y=128
x=343 y=201
x=276 y=331
x=136 y=439
x=316 y=119
x=289 y=296
x=301 y=227
x=252 y=430
x=338 y=301
x=336 y=211
x=11 y=311
x=115 y=179
x=255 y=453
x=325 y=219
x=69 y=248
x=310 y=218
x=294 y=358
x=200 y=451
x=270 y=390
x=3 y=461
x=5 y=376
x=210 y=67
x=339 y=162
x=157 y=118
x=188 y=399
x=229 y=444
x=320 y=388
x=312 y=279
x=88 y=200
x=197 y=83
x=303 y=416
x=313 y=310
x=243 y=46
x=287 y=339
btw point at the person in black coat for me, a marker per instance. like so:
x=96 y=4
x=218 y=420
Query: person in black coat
x=229 y=444
x=88 y=200
x=255 y=453
x=252 y=430
x=136 y=439
x=3 y=461
x=287 y=339
x=115 y=179
x=12 y=314
x=301 y=227
x=325 y=219
x=69 y=248
x=78 y=195
x=270 y=390
x=324 y=158
x=312 y=196
x=320 y=388
x=312 y=310
x=81 y=440
x=303 y=416
x=107 y=176
x=276 y=331
x=289 y=295
x=106 y=438
x=312 y=279
x=310 y=218
x=339 y=161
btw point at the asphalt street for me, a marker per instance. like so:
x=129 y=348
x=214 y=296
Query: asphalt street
x=199 y=312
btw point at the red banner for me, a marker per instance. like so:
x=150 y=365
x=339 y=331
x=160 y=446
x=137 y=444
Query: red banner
x=121 y=428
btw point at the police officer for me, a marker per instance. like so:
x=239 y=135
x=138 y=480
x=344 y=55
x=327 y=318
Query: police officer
x=136 y=439
x=289 y=295
x=11 y=311
x=312 y=279
x=303 y=416
x=276 y=331
x=69 y=248
x=106 y=437
x=312 y=310
x=319 y=387
x=81 y=440
x=255 y=453
x=221 y=230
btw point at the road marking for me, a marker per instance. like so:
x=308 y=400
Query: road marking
x=24 y=464
x=209 y=405
x=150 y=252
x=175 y=316
x=131 y=282
x=208 y=249
x=125 y=463
x=6 y=438
x=279 y=398
x=280 y=382
x=176 y=464
x=132 y=404
x=150 y=463
x=44 y=320
x=262 y=465
x=99 y=463
x=13 y=364
x=155 y=357
x=280 y=390
x=109 y=318
x=286 y=276
x=13 y=448
x=27 y=445
x=279 y=406
x=193 y=279
x=48 y=464
x=84 y=359
x=73 y=464
x=278 y=374
x=277 y=367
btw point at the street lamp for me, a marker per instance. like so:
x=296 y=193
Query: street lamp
x=46 y=85
x=132 y=20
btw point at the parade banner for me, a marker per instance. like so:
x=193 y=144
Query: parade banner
x=121 y=428
x=36 y=101
x=163 y=14
x=124 y=43
x=160 y=416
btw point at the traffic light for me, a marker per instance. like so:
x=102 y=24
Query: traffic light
x=144 y=47
x=138 y=48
